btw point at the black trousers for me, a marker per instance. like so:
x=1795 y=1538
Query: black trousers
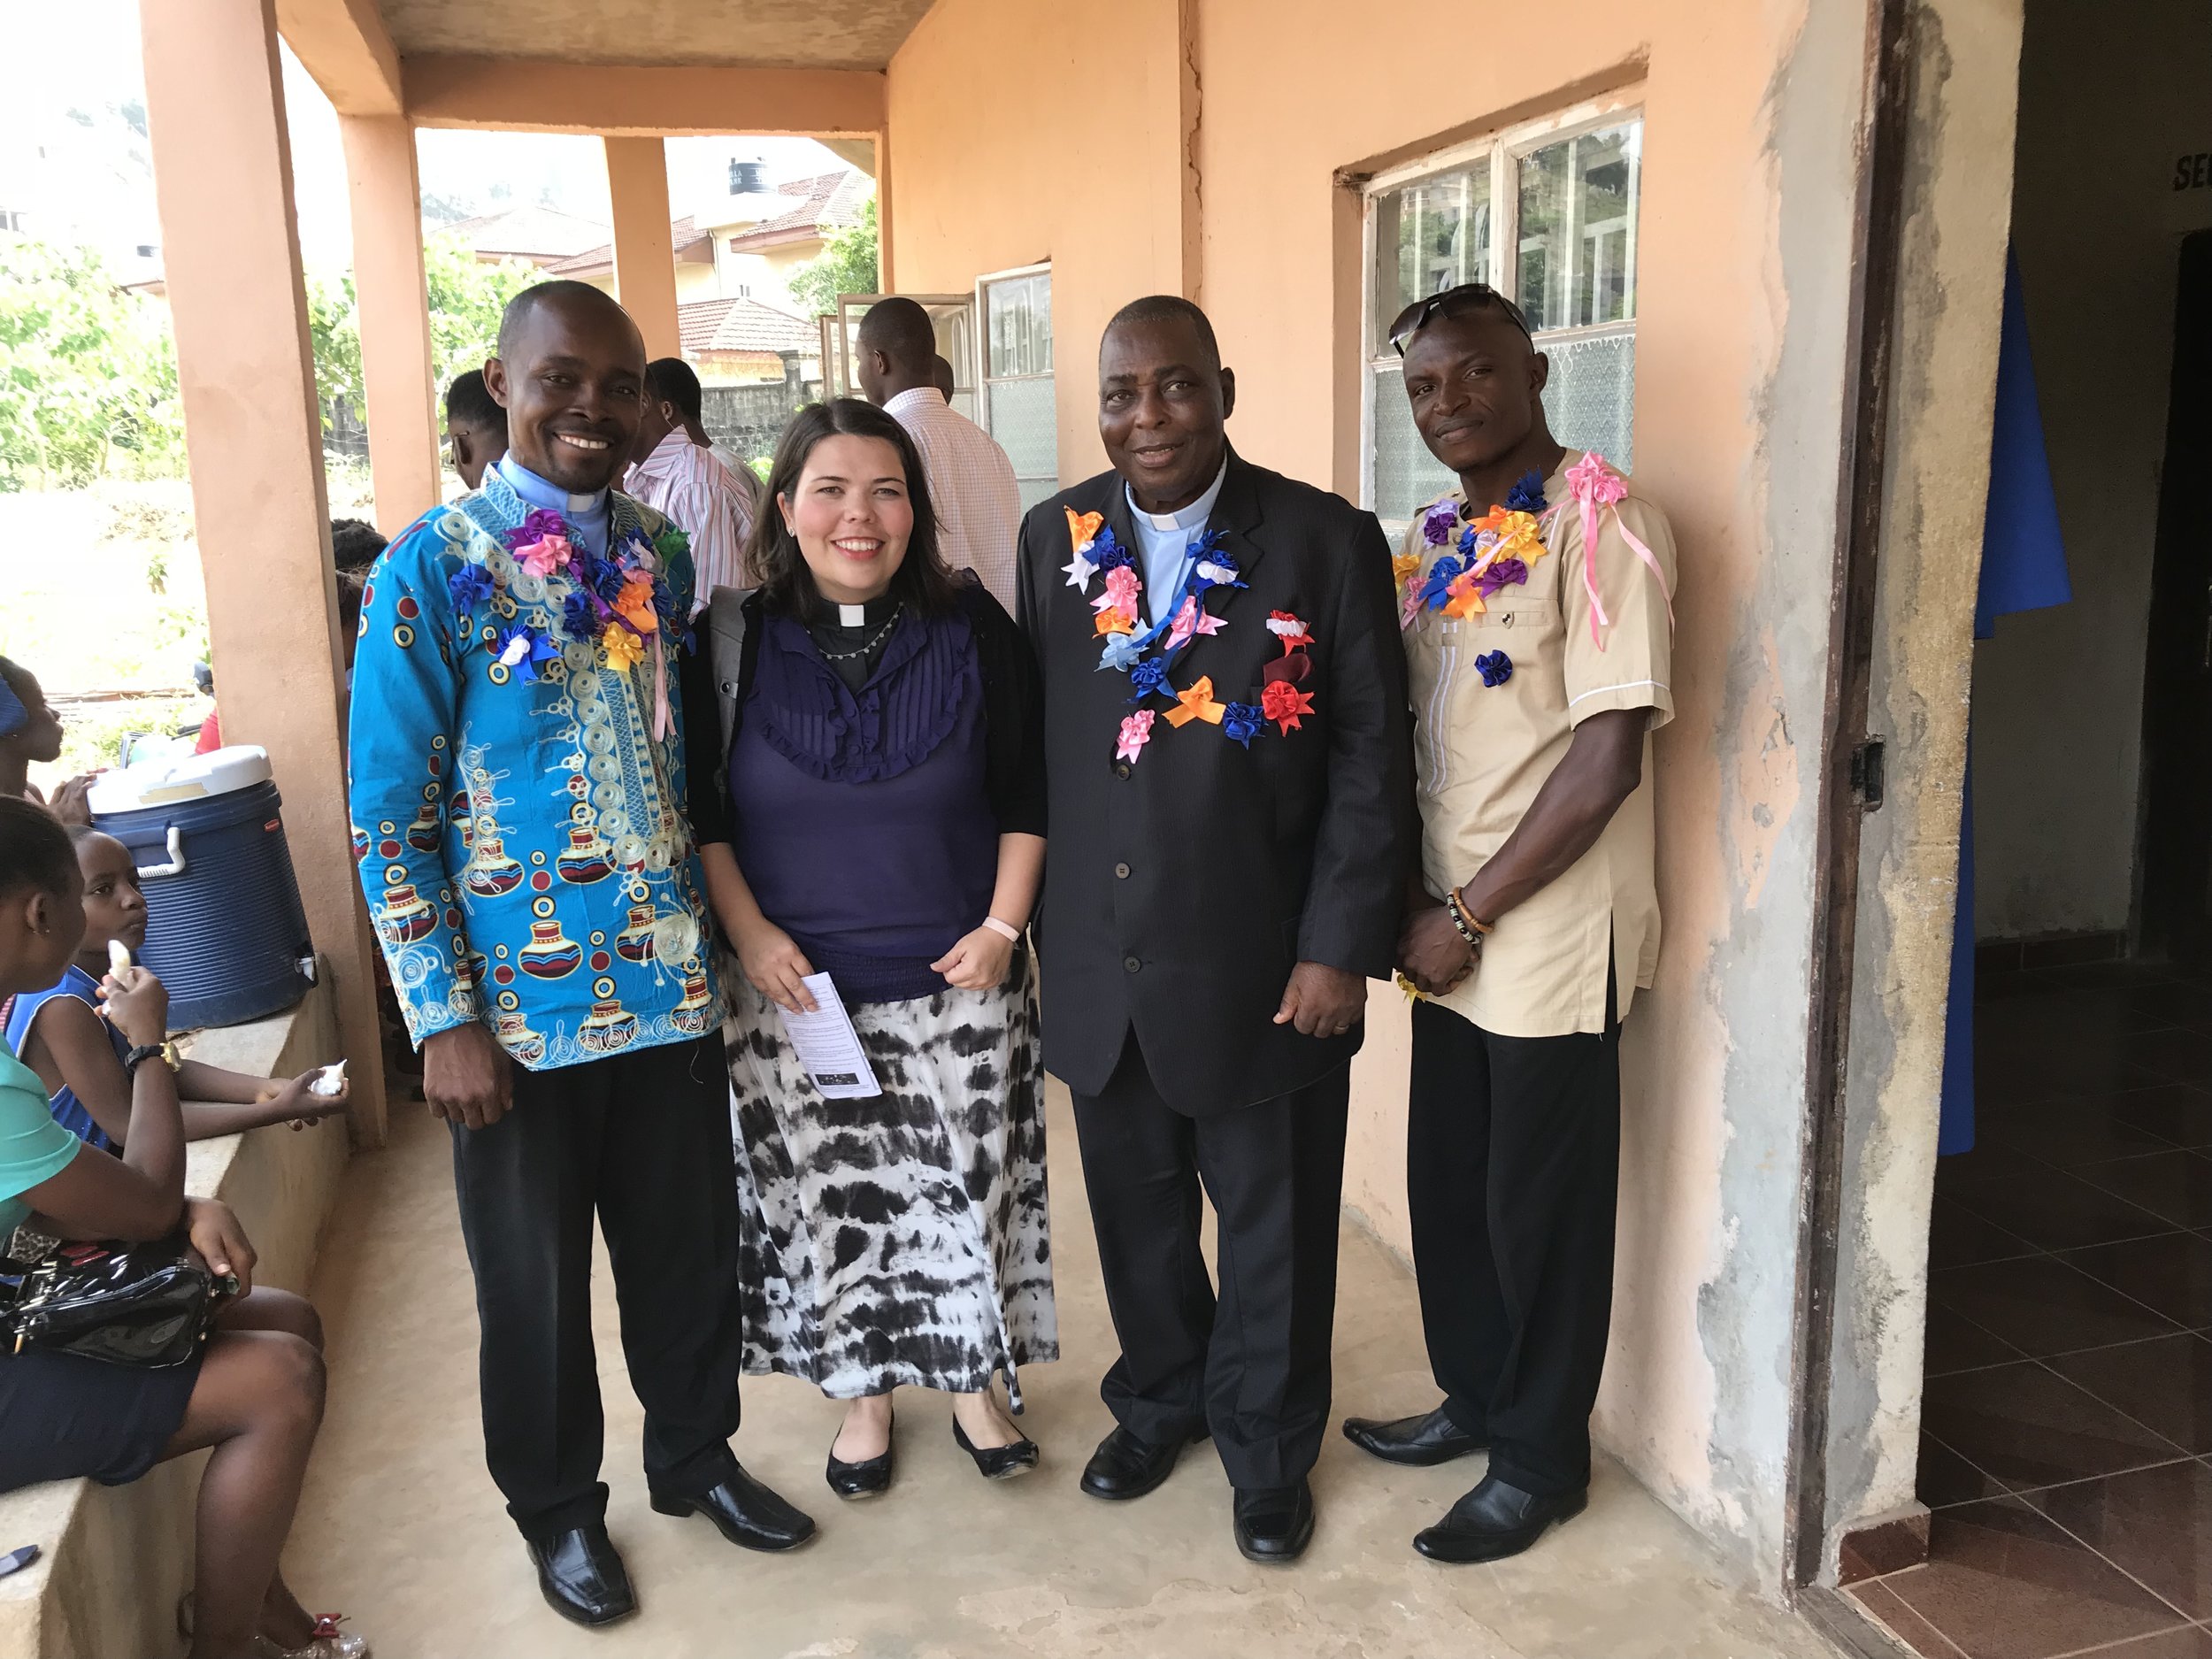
x=643 y=1140
x=1250 y=1364
x=1513 y=1153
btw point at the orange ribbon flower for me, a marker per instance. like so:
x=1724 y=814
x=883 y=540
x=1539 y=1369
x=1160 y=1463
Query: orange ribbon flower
x=1464 y=600
x=1197 y=704
x=1083 y=529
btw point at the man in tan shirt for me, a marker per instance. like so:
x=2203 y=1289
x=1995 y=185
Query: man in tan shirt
x=1539 y=632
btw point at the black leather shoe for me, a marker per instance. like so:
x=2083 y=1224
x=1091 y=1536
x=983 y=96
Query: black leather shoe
x=1419 y=1443
x=582 y=1577
x=746 y=1513
x=870 y=1477
x=998 y=1462
x=1127 y=1467
x=1274 y=1523
x=1495 y=1521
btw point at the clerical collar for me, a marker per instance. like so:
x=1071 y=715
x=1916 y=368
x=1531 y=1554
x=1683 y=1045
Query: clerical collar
x=542 y=493
x=874 y=614
x=1191 y=517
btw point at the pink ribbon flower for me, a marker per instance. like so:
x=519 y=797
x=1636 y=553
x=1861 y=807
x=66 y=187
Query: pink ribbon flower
x=1594 y=485
x=1136 y=732
x=544 y=556
x=1186 y=624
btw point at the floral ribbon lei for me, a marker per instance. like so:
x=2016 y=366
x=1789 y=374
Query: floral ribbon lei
x=620 y=604
x=1496 y=549
x=1148 y=655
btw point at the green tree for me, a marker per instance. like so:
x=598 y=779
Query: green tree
x=88 y=373
x=846 y=265
x=466 y=297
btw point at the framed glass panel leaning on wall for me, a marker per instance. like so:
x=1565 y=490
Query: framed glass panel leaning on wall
x=1561 y=193
x=1015 y=307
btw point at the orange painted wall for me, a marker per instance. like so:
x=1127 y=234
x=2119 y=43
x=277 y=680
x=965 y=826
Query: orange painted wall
x=1026 y=134
x=1022 y=133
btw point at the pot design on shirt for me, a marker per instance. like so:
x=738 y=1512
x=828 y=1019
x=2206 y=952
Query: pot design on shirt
x=635 y=942
x=407 y=916
x=423 y=834
x=490 y=873
x=610 y=1026
x=696 y=1012
x=516 y=1037
x=585 y=859
x=550 y=954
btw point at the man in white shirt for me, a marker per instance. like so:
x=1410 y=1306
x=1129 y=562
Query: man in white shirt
x=673 y=471
x=970 y=481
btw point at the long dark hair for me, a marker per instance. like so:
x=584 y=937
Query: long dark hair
x=772 y=560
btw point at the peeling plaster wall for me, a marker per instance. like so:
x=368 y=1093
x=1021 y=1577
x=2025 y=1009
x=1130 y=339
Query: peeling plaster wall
x=1957 y=206
x=1022 y=133
x=2119 y=88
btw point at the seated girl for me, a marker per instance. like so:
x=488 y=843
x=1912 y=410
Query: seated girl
x=254 y=1394
x=79 y=1057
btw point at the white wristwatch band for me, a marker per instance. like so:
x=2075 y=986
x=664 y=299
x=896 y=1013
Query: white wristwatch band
x=1004 y=930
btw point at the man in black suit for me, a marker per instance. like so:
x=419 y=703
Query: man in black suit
x=1229 y=759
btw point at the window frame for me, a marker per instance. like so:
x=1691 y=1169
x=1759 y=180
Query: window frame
x=985 y=379
x=1503 y=148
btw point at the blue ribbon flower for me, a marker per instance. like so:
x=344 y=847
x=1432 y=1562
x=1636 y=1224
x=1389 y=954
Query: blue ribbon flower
x=1208 y=551
x=1120 y=652
x=1243 y=721
x=1107 y=551
x=1148 y=679
x=1441 y=575
x=580 y=620
x=605 y=576
x=1496 y=667
x=1527 y=494
x=534 y=648
x=470 y=586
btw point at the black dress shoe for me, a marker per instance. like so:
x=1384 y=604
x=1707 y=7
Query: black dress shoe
x=870 y=1477
x=1419 y=1443
x=746 y=1513
x=998 y=1462
x=1127 y=1467
x=582 y=1577
x=1495 y=1521
x=1274 y=1523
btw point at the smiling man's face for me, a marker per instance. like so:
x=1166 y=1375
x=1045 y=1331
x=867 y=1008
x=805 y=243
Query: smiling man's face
x=572 y=382
x=1162 y=402
x=1476 y=385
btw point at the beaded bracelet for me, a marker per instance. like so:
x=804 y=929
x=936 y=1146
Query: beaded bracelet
x=1464 y=919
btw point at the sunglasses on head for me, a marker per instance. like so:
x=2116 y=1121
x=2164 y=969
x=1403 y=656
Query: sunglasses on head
x=1454 y=302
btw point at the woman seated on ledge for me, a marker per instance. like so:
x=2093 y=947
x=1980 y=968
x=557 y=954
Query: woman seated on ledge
x=79 y=1057
x=255 y=1393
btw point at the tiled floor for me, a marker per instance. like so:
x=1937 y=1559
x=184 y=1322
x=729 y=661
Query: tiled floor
x=2066 y=1445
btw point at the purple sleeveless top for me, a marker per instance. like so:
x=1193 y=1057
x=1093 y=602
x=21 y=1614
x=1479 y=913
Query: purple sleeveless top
x=862 y=823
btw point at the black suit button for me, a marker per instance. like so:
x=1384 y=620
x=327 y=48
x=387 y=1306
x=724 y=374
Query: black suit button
x=1122 y=870
x=1131 y=963
x=1121 y=769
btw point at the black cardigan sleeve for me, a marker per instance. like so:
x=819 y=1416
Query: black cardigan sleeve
x=1013 y=716
x=707 y=801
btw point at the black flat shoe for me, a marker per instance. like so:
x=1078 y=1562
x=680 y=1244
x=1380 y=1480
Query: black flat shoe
x=746 y=1513
x=1274 y=1523
x=1495 y=1521
x=1127 y=1467
x=870 y=1477
x=998 y=1462
x=1418 y=1442
x=582 y=1577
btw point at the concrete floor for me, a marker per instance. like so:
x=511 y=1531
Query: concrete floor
x=402 y=1529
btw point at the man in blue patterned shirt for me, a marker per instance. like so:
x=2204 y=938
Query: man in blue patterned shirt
x=518 y=765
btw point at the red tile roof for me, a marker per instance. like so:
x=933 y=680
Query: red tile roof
x=830 y=200
x=682 y=234
x=544 y=236
x=739 y=324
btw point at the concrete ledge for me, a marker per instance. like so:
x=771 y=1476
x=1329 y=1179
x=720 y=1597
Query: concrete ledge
x=116 y=1558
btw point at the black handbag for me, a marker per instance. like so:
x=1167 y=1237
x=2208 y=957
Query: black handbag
x=147 y=1305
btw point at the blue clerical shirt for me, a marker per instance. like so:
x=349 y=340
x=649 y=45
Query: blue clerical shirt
x=1164 y=538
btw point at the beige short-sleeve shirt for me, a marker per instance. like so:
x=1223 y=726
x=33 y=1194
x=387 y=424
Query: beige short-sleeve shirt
x=1482 y=752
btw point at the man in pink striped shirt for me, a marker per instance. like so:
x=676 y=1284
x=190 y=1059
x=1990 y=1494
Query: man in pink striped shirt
x=673 y=471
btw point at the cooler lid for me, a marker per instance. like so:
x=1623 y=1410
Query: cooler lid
x=186 y=778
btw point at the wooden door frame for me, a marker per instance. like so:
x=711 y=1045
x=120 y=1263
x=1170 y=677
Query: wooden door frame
x=1845 y=793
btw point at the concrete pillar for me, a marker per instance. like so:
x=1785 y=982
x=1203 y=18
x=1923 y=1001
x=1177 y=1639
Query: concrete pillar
x=644 y=258
x=223 y=181
x=380 y=188
x=886 y=282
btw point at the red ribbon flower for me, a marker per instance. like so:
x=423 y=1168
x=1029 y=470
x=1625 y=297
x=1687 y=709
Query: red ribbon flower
x=1284 y=704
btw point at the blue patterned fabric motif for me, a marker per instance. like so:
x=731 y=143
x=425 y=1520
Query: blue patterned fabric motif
x=522 y=842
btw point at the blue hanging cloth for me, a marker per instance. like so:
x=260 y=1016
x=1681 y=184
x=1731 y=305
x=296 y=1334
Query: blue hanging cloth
x=2024 y=568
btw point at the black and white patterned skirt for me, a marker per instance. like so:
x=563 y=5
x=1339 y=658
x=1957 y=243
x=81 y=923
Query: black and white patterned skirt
x=902 y=1240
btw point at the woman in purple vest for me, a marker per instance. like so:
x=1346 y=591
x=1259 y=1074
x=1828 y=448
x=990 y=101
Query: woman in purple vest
x=883 y=825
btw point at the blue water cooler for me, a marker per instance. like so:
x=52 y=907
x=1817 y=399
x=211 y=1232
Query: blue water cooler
x=223 y=926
